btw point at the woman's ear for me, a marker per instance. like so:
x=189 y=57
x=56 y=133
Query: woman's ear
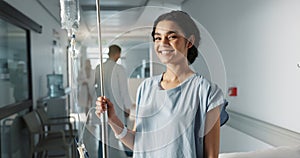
x=190 y=41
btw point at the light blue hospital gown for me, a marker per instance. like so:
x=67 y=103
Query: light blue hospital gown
x=166 y=121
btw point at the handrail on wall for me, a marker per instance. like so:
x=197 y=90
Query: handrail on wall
x=264 y=131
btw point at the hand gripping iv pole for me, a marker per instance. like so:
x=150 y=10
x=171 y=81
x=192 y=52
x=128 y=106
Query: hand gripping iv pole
x=104 y=117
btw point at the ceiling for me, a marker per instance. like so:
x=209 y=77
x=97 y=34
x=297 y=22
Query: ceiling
x=125 y=22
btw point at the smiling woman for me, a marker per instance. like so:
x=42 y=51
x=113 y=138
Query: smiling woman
x=177 y=112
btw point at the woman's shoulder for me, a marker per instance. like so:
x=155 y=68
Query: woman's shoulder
x=207 y=87
x=200 y=80
x=151 y=80
x=204 y=85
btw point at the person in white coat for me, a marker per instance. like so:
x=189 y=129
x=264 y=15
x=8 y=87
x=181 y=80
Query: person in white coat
x=116 y=88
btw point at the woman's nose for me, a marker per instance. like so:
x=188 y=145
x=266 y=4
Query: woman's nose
x=165 y=40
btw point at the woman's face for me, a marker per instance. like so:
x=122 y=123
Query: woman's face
x=170 y=44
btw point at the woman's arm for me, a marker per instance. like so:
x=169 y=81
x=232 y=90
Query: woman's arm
x=117 y=126
x=104 y=104
x=212 y=134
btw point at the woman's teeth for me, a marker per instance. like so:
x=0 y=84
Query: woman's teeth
x=165 y=52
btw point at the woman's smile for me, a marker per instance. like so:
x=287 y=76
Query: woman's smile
x=166 y=52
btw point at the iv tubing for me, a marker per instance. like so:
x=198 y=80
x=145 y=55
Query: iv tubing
x=80 y=140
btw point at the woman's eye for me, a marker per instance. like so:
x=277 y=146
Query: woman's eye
x=157 y=38
x=172 y=37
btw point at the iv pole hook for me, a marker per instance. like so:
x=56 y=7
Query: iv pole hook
x=104 y=118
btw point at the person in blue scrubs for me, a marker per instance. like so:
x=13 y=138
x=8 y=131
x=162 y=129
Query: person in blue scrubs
x=178 y=111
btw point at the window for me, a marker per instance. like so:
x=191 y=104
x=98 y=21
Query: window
x=14 y=79
x=15 y=64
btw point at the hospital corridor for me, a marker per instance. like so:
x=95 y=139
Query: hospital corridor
x=149 y=78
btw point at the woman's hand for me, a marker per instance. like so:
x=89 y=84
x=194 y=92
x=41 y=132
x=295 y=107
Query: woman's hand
x=104 y=104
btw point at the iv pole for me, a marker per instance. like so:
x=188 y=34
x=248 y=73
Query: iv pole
x=70 y=21
x=104 y=118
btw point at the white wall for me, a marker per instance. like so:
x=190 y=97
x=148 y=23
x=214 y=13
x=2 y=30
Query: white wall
x=259 y=42
x=41 y=54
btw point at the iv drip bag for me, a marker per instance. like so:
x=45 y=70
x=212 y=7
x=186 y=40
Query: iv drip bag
x=69 y=13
